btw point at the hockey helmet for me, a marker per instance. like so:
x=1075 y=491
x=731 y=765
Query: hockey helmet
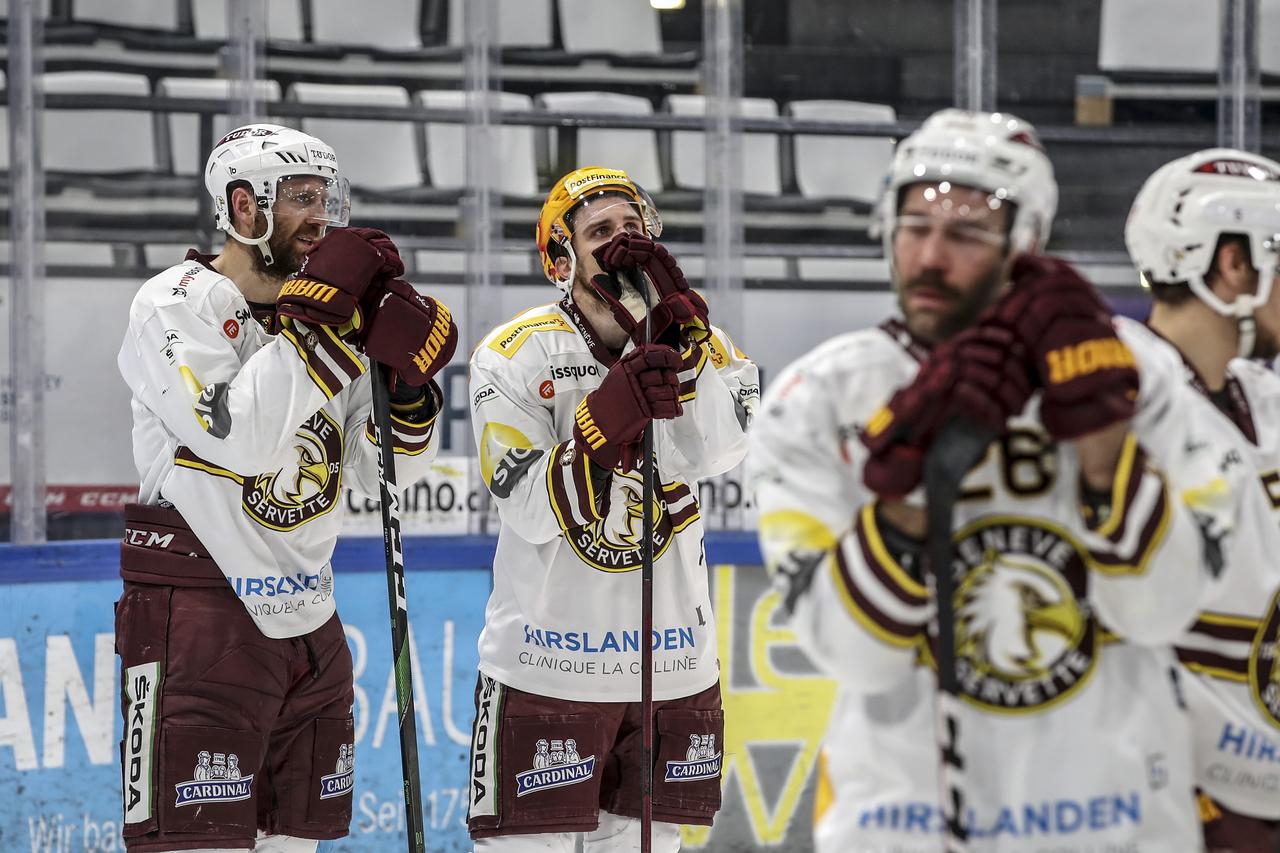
x=267 y=157
x=997 y=153
x=575 y=198
x=1184 y=208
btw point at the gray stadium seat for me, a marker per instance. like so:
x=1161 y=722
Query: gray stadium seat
x=187 y=151
x=841 y=167
x=1158 y=35
x=151 y=14
x=427 y=261
x=521 y=23
x=695 y=267
x=122 y=140
x=761 y=173
x=842 y=269
x=374 y=155
x=446 y=144
x=388 y=24
x=67 y=253
x=283 y=23
x=619 y=27
x=634 y=151
x=1176 y=36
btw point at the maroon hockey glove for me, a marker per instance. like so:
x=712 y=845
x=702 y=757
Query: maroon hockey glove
x=680 y=312
x=412 y=334
x=641 y=386
x=335 y=274
x=981 y=376
x=1089 y=376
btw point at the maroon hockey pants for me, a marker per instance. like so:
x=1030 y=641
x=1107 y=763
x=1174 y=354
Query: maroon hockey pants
x=226 y=730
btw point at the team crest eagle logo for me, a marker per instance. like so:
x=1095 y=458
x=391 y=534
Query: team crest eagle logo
x=1264 y=664
x=1025 y=636
x=613 y=543
x=306 y=487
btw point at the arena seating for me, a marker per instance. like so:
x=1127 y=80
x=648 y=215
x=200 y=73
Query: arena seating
x=637 y=148
x=186 y=149
x=446 y=144
x=761 y=162
x=842 y=167
x=377 y=155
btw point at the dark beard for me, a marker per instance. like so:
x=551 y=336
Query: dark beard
x=286 y=258
x=965 y=309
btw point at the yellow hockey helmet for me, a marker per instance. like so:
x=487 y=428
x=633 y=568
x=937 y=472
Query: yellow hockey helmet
x=579 y=189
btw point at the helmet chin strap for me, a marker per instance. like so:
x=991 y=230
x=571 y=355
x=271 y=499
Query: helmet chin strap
x=566 y=286
x=263 y=242
x=1248 y=327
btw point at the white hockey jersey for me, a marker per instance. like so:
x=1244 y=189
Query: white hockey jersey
x=563 y=619
x=252 y=437
x=1233 y=649
x=1075 y=734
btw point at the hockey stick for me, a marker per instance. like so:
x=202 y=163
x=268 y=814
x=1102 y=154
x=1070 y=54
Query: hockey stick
x=956 y=450
x=401 y=651
x=647 y=474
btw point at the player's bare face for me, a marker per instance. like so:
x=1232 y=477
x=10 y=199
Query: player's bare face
x=949 y=257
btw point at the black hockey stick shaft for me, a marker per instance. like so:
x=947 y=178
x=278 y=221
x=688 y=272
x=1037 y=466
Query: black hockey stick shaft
x=958 y=447
x=647 y=473
x=401 y=649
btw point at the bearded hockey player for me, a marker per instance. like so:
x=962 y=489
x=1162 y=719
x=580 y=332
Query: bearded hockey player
x=252 y=410
x=1205 y=232
x=560 y=398
x=1076 y=561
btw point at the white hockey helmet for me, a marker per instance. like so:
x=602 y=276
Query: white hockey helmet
x=264 y=155
x=1187 y=205
x=994 y=152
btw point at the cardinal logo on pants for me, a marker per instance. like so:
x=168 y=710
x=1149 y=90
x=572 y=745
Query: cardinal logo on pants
x=556 y=764
x=215 y=779
x=701 y=761
x=340 y=782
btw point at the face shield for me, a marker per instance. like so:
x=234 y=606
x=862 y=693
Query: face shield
x=616 y=207
x=968 y=219
x=314 y=198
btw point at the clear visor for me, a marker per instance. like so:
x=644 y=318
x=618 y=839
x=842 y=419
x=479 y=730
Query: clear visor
x=616 y=211
x=316 y=198
x=964 y=215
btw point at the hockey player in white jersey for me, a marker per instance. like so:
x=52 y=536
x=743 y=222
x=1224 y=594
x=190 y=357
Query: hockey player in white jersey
x=252 y=411
x=1205 y=233
x=1077 y=562
x=560 y=397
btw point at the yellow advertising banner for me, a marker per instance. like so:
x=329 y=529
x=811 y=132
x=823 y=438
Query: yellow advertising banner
x=776 y=706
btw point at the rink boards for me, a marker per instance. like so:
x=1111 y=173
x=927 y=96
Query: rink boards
x=60 y=721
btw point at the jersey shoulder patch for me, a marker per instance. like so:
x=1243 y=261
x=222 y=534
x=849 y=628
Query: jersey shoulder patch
x=507 y=339
x=189 y=282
